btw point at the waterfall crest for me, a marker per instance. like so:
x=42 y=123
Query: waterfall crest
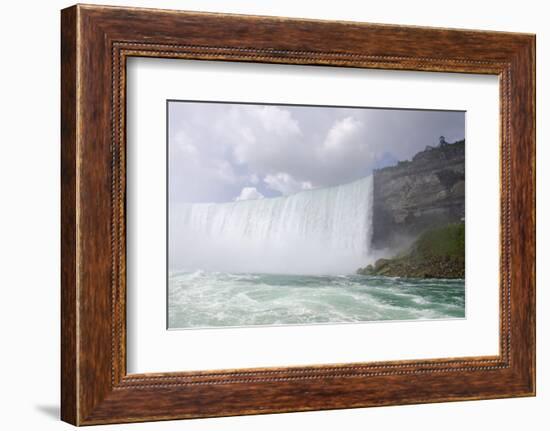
x=319 y=231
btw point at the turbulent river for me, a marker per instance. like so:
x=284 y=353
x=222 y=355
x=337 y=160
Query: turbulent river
x=290 y=260
x=214 y=299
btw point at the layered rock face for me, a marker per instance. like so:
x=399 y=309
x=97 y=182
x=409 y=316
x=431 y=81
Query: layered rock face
x=417 y=195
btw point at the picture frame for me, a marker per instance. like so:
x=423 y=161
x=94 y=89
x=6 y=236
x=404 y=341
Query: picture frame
x=96 y=42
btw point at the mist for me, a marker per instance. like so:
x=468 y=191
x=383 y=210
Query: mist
x=321 y=231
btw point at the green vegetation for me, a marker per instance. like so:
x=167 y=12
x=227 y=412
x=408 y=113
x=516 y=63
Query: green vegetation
x=443 y=241
x=437 y=253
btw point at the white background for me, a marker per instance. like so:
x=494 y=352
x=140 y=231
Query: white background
x=29 y=226
x=152 y=349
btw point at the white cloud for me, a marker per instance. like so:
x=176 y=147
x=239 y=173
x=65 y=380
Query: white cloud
x=285 y=183
x=198 y=172
x=183 y=144
x=248 y=193
x=276 y=120
x=264 y=138
x=348 y=151
x=344 y=137
x=216 y=150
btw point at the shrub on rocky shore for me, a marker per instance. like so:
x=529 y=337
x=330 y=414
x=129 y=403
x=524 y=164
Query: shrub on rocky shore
x=437 y=253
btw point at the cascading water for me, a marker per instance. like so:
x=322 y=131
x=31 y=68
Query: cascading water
x=320 y=231
x=290 y=260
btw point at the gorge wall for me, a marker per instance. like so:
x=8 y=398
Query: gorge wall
x=423 y=193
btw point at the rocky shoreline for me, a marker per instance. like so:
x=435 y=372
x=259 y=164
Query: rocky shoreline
x=437 y=253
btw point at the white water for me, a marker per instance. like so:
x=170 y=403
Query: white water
x=202 y=299
x=320 y=231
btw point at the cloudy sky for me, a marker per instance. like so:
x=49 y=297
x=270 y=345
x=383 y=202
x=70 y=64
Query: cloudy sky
x=221 y=152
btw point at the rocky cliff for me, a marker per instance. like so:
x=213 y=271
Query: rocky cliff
x=413 y=196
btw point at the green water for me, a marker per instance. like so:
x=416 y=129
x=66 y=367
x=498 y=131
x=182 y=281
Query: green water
x=202 y=299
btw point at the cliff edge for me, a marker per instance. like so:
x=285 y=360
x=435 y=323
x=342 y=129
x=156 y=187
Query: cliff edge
x=413 y=196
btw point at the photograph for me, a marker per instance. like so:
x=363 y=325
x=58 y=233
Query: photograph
x=308 y=215
x=300 y=214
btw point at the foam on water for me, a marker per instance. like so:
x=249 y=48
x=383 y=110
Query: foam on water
x=218 y=299
x=286 y=260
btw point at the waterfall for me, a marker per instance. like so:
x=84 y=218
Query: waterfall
x=319 y=231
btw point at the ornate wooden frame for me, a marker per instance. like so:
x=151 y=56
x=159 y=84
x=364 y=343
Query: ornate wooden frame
x=95 y=42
